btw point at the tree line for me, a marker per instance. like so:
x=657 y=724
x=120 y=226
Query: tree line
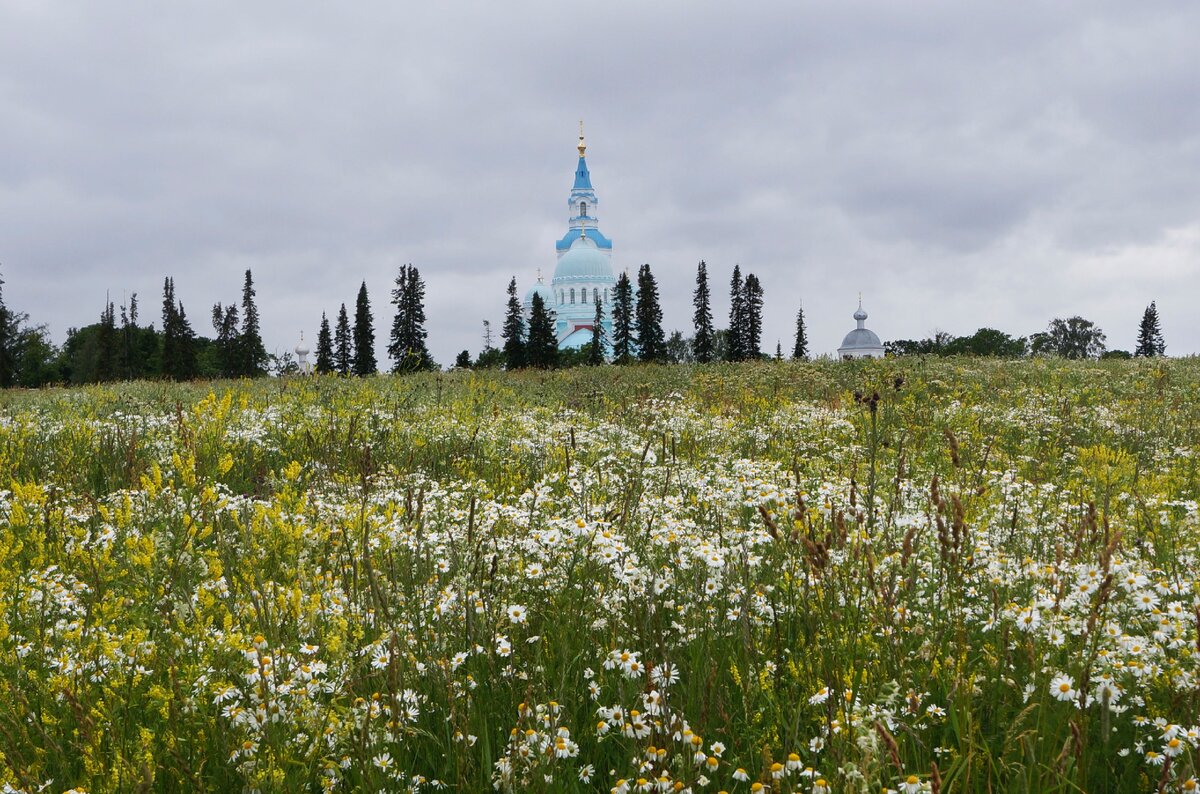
x=119 y=347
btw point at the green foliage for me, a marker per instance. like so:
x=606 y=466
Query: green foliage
x=702 y=319
x=325 y=362
x=363 y=360
x=1150 y=338
x=541 y=349
x=624 y=345
x=651 y=343
x=513 y=331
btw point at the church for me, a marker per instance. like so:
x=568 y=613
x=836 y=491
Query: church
x=584 y=269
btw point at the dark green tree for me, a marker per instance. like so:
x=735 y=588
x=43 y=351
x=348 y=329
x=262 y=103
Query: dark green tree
x=752 y=306
x=342 y=343
x=107 y=346
x=622 y=320
x=702 y=342
x=599 y=341
x=178 y=357
x=541 y=351
x=463 y=361
x=324 y=363
x=228 y=341
x=651 y=340
x=1150 y=338
x=735 y=339
x=800 y=348
x=490 y=357
x=513 y=332
x=8 y=344
x=1073 y=338
x=364 y=336
x=252 y=354
x=407 y=346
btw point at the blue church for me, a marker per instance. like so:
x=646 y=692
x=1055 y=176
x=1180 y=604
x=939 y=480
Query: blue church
x=584 y=270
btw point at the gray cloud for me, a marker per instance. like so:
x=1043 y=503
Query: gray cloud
x=961 y=164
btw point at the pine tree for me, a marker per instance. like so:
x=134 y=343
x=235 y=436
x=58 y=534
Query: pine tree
x=229 y=351
x=106 y=346
x=1150 y=338
x=364 y=336
x=178 y=360
x=341 y=340
x=778 y=350
x=752 y=306
x=622 y=318
x=324 y=363
x=648 y=318
x=702 y=342
x=599 y=342
x=513 y=332
x=800 y=350
x=407 y=343
x=252 y=354
x=464 y=360
x=541 y=351
x=8 y=344
x=735 y=345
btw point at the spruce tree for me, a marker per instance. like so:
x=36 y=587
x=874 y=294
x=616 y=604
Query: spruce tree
x=702 y=342
x=513 y=332
x=364 y=336
x=464 y=360
x=778 y=350
x=106 y=346
x=541 y=351
x=407 y=342
x=735 y=346
x=341 y=340
x=1150 y=338
x=622 y=318
x=171 y=344
x=800 y=349
x=252 y=354
x=596 y=351
x=229 y=351
x=648 y=319
x=324 y=363
x=178 y=340
x=8 y=344
x=752 y=306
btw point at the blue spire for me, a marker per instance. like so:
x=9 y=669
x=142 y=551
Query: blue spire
x=583 y=179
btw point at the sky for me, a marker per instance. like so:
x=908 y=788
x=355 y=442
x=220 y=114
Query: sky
x=959 y=164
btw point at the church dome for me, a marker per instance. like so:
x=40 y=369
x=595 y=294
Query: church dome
x=584 y=262
x=540 y=289
x=861 y=338
x=862 y=342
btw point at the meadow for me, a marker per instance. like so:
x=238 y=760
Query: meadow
x=907 y=575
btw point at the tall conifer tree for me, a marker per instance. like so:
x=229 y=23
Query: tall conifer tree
x=735 y=345
x=648 y=318
x=1150 y=338
x=342 y=353
x=702 y=342
x=324 y=363
x=513 y=332
x=752 y=306
x=541 y=350
x=8 y=344
x=800 y=349
x=364 y=336
x=407 y=342
x=599 y=342
x=229 y=352
x=622 y=318
x=252 y=353
x=106 y=346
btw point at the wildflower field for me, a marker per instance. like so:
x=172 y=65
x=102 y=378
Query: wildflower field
x=900 y=576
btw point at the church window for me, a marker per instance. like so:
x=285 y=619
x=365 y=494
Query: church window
x=606 y=294
x=583 y=209
x=562 y=297
x=572 y=294
x=583 y=295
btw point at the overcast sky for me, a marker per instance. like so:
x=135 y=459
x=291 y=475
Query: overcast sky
x=960 y=164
